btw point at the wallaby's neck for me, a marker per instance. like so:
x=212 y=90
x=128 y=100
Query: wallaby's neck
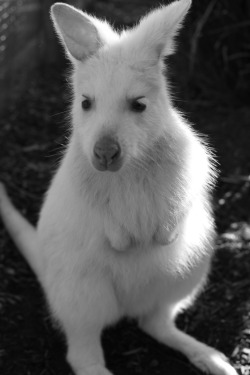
x=146 y=190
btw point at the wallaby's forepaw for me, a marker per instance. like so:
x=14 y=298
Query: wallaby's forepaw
x=120 y=241
x=212 y=362
x=165 y=236
x=117 y=236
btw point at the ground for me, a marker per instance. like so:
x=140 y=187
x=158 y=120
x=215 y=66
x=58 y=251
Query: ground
x=33 y=132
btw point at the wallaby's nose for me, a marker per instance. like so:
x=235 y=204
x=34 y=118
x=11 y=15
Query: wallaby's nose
x=107 y=154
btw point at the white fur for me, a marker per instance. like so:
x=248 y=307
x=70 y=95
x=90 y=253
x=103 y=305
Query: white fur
x=135 y=242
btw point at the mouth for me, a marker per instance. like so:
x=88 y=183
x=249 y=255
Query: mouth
x=107 y=167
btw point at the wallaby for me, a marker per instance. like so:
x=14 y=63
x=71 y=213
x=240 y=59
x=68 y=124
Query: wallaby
x=126 y=227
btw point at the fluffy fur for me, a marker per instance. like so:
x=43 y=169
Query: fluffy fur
x=138 y=241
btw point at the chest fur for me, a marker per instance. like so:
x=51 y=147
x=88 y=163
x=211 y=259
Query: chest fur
x=136 y=208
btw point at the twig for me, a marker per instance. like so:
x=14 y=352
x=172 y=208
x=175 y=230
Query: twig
x=197 y=34
x=235 y=179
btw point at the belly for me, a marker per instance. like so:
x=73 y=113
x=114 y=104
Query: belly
x=144 y=283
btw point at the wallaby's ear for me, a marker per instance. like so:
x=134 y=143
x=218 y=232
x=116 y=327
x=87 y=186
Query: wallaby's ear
x=81 y=34
x=154 y=36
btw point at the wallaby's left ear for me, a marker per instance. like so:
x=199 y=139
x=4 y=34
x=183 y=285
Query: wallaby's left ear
x=155 y=34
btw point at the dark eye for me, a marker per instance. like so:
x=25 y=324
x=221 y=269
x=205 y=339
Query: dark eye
x=137 y=106
x=86 y=104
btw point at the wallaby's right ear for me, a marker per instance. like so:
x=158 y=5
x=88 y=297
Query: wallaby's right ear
x=76 y=30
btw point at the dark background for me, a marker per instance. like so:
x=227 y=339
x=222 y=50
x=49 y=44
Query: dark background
x=210 y=76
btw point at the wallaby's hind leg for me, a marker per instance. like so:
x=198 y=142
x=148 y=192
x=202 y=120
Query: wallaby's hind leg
x=84 y=305
x=21 y=231
x=161 y=326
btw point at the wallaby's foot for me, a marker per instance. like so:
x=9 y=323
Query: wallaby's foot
x=212 y=361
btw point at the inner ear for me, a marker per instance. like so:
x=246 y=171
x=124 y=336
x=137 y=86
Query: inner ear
x=159 y=48
x=76 y=30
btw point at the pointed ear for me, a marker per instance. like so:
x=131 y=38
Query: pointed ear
x=156 y=32
x=81 y=34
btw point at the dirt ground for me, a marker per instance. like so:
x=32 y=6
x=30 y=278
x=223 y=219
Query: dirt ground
x=32 y=134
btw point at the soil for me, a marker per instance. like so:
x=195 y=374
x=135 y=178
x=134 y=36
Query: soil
x=33 y=133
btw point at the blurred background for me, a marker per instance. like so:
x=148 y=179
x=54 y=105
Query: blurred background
x=214 y=63
x=210 y=79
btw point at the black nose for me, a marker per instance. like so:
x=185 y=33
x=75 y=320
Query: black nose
x=107 y=153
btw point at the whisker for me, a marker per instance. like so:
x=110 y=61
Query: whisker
x=61 y=113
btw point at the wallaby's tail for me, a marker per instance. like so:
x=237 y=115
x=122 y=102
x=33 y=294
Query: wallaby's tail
x=22 y=232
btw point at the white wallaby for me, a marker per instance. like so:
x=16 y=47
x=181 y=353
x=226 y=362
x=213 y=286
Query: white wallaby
x=126 y=228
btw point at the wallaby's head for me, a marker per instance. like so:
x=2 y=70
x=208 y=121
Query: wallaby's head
x=121 y=106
